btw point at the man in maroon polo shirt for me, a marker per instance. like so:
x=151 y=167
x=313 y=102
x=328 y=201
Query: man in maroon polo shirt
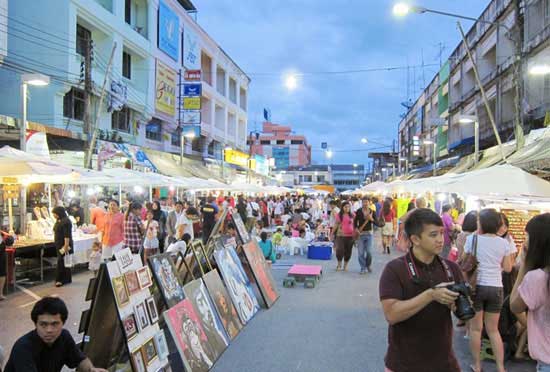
x=416 y=303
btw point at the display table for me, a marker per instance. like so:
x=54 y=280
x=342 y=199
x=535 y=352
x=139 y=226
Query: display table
x=83 y=247
x=320 y=251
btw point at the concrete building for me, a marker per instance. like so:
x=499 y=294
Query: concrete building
x=143 y=103
x=306 y=176
x=384 y=165
x=347 y=176
x=3 y=29
x=280 y=143
x=454 y=92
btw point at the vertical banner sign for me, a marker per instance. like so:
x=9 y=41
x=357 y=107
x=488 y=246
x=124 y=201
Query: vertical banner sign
x=169 y=31
x=191 y=50
x=166 y=81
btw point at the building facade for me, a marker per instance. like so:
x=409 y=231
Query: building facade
x=512 y=39
x=280 y=143
x=384 y=165
x=138 y=51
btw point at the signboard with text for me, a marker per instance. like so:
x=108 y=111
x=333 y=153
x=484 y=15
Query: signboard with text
x=191 y=50
x=166 y=80
x=192 y=75
x=192 y=117
x=168 y=31
x=192 y=90
x=236 y=157
x=191 y=103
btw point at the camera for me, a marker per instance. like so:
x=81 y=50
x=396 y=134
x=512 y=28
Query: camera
x=464 y=309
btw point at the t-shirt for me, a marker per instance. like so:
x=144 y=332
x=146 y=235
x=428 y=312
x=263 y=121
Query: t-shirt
x=183 y=220
x=346 y=224
x=490 y=252
x=31 y=354
x=424 y=342
x=448 y=227
x=535 y=293
x=390 y=216
x=209 y=212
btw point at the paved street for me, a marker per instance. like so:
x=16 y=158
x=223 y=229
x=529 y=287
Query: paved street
x=338 y=326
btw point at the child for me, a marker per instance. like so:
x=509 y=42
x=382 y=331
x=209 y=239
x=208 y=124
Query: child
x=95 y=258
x=151 y=242
x=267 y=247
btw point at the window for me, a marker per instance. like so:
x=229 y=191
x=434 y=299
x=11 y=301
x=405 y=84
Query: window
x=296 y=142
x=83 y=36
x=128 y=11
x=321 y=179
x=307 y=179
x=280 y=142
x=175 y=137
x=121 y=120
x=153 y=130
x=265 y=142
x=300 y=179
x=126 y=65
x=196 y=144
x=74 y=104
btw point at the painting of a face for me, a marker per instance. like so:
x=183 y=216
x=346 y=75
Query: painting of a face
x=261 y=272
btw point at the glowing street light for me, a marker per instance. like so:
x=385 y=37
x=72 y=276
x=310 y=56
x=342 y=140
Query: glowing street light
x=364 y=140
x=472 y=119
x=401 y=9
x=539 y=70
x=428 y=142
x=329 y=154
x=291 y=81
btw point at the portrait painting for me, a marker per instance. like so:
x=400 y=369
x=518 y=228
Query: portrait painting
x=240 y=227
x=138 y=362
x=149 y=351
x=144 y=277
x=191 y=341
x=130 y=326
x=132 y=282
x=152 y=310
x=141 y=315
x=161 y=344
x=237 y=283
x=212 y=325
x=120 y=290
x=164 y=273
x=261 y=272
x=222 y=302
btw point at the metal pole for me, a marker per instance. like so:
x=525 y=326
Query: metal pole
x=482 y=90
x=435 y=159
x=476 y=141
x=23 y=147
x=182 y=143
x=223 y=161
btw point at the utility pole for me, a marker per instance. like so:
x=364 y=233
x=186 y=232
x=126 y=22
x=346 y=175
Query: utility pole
x=88 y=90
x=93 y=129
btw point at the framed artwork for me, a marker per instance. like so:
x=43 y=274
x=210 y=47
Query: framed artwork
x=138 y=362
x=237 y=283
x=222 y=302
x=152 y=310
x=211 y=323
x=130 y=326
x=141 y=315
x=164 y=272
x=149 y=351
x=121 y=292
x=124 y=259
x=132 y=282
x=91 y=289
x=261 y=272
x=239 y=225
x=84 y=320
x=144 y=277
x=161 y=345
x=189 y=337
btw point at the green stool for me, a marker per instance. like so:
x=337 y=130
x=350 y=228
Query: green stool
x=310 y=283
x=289 y=282
x=486 y=350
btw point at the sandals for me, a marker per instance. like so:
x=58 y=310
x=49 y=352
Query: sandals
x=473 y=369
x=59 y=284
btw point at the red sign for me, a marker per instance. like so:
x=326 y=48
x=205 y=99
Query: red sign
x=192 y=75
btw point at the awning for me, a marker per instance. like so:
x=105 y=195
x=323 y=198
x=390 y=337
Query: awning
x=463 y=164
x=492 y=155
x=535 y=155
x=463 y=142
x=170 y=164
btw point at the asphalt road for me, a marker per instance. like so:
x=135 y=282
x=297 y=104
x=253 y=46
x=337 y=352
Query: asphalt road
x=337 y=326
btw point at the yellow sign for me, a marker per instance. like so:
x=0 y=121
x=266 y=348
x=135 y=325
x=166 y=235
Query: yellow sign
x=10 y=191
x=9 y=180
x=191 y=103
x=165 y=100
x=236 y=157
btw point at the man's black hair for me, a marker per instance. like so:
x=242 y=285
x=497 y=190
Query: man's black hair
x=446 y=208
x=114 y=201
x=420 y=217
x=179 y=202
x=51 y=306
x=490 y=221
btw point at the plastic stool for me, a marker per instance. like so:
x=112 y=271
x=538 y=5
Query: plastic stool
x=486 y=350
x=310 y=283
x=289 y=282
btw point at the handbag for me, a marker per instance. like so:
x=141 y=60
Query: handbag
x=469 y=264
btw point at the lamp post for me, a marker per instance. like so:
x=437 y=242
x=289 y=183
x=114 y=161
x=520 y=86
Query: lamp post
x=224 y=149
x=406 y=160
x=471 y=119
x=402 y=9
x=37 y=80
x=427 y=142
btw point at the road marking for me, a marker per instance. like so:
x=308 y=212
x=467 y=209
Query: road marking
x=29 y=304
x=29 y=292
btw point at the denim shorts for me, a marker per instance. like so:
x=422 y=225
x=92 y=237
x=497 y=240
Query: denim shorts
x=488 y=299
x=543 y=367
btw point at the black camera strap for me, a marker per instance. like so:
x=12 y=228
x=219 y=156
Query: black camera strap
x=413 y=271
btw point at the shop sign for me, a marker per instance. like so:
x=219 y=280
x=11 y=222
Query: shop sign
x=261 y=165
x=191 y=131
x=192 y=75
x=236 y=157
x=191 y=103
x=165 y=100
x=118 y=96
x=192 y=117
x=192 y=90
x=9 y=180
x=37 y=144
x=108 y=150
x=169 y=31
x=10 y=191
x=191 y=50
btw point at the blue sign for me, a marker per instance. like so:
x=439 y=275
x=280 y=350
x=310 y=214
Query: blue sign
x=324 y=145
x=282 y=157
x=191 y=131
x=192 y=90
x=169 y=31
x=262 y=166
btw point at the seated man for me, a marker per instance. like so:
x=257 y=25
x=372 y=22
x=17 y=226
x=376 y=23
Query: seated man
x=49 y=346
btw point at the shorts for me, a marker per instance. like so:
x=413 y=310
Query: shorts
x=387 y=229
x=488 y=299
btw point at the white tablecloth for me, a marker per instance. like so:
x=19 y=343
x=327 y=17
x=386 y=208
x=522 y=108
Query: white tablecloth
x=83 y=247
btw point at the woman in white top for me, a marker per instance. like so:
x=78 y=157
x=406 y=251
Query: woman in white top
x=494 y=255
x=532 y=289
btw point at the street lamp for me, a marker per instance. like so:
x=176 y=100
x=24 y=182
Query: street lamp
x=364 y=140
x=471 y=119
x=291 y=81
x=406 y=164
x=539 y=70
x=329 y=154
x=428 y=142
